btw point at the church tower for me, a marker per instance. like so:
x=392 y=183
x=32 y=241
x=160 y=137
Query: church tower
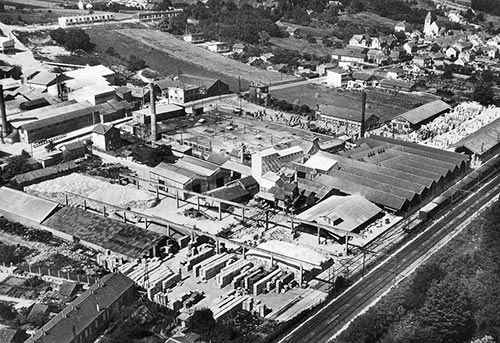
x=427 y=24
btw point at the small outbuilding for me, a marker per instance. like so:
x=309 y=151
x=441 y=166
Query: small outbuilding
x=106 y=137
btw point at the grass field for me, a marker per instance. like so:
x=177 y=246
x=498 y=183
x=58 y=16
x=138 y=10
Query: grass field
x=384 y=105
x=179 y=52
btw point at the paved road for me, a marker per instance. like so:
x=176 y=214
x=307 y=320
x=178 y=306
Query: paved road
x=335 y=315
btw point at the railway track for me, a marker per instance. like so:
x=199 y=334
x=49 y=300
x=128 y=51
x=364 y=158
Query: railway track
x=330 y=319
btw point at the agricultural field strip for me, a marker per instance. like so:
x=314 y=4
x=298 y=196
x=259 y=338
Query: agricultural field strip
x=209 y=60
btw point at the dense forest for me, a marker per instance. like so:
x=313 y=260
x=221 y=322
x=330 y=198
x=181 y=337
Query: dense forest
x=453 y=298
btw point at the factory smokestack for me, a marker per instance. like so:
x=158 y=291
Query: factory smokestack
x=154 y=135
x=3 y=113
x=363 y=110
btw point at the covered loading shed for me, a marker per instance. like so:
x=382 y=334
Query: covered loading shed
x=104 y=234
x=349 y=213
x=415 y=118
x=25 y=208
x=483 y=143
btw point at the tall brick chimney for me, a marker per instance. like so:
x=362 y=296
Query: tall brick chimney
x=363 y=110
x=3 y=113
x=154 y=133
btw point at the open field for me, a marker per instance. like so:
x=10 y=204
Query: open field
x=384 y=105
x=182 y=51
x=369 y=19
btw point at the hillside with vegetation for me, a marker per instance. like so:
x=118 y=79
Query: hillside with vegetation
x=453 y=298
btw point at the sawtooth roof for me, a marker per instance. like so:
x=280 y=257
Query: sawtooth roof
x=374 y=195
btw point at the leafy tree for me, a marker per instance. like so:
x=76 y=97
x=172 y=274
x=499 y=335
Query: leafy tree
x=7 y=311
x=422 y=281
x=76 y=39
x=135 y=63
x=264 y=38
x=163 y=6
x=202 y=322
x=448 y=312
x=327 y=42
x=485 y=339
x=58 y=36
x=483 y=93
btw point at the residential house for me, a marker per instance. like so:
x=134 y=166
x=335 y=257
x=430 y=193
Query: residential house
x=279 y=68
x=400 y=27
x=490 y=51
x=394 y=73
x=397 y=53
x=452 y=53
x=106 y=137
x=410 y=48
x=194 y=38
x=219 y=47
x=322 y=68
x=87 y=316
x=376 y=43
x=455 y=16
x=467 y=55
x=462 y=46
x=239 y=48
x=294 y=32
x=337 y=77
x=362 y=41
x=422 y=61
x=208 y=86
x=377 y=56
x=266 y=57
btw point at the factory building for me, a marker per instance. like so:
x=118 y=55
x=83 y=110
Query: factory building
x=70 y=118
x=189 y=173
x=157 y=15
x=483 y=143
x=350 y=120
x=390 y=173
x=65 y=22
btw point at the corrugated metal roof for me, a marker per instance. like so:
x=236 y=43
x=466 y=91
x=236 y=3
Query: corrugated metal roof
x=353 y=210
x=425 y=112
x=309 y=187
x=101 y=109
x=421 y=147
x=376 y=196
x=197 y=166
x=171 y=172
x=482 y=140
x=424 y=181
x=117 y=236
x=25 y=205
x=397 y=182
x=369 y=182
x=394 y=164
x=237 y=167
x=321 y=161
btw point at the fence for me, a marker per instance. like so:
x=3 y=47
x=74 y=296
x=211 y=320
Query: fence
x=69 y=276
